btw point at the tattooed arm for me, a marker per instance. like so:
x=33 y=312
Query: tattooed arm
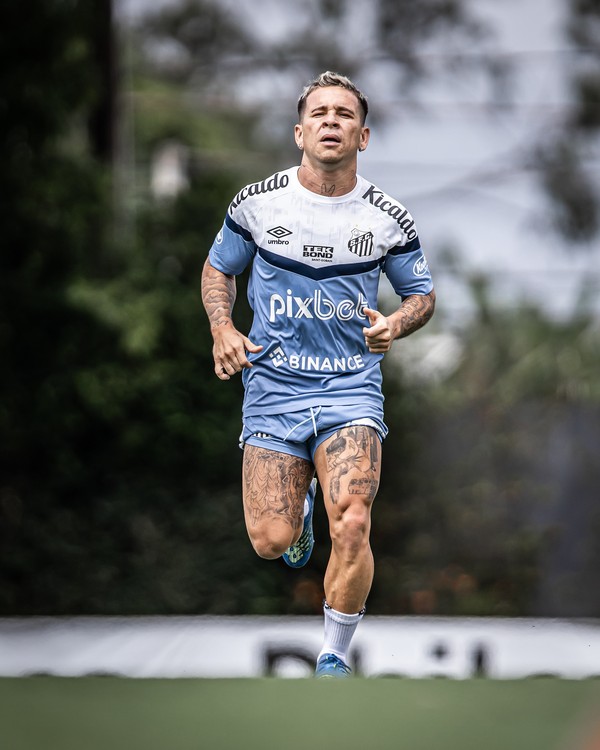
x=412 y=314
x=230 y=346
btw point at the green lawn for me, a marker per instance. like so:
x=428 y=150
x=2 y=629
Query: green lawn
x=367 y=714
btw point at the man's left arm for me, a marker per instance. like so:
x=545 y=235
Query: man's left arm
x=413 y=313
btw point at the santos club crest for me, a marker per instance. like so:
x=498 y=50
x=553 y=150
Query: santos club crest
x=361 y=243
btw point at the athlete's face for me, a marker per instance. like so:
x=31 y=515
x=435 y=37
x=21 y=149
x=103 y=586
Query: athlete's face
x=331 y=129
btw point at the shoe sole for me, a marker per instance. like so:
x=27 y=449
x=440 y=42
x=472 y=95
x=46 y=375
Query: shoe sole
x=302 y=562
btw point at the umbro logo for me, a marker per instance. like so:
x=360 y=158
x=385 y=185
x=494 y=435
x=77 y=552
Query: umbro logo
x=279 y=232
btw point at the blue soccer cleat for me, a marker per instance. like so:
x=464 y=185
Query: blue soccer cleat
x=332 y=667
x=299 y=554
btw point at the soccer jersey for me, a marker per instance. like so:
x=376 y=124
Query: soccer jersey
x=315 y=264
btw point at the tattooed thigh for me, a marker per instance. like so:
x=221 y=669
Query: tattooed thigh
x=274 y=486
x=352 y=458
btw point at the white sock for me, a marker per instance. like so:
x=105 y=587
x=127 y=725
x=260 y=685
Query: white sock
x=339 y=629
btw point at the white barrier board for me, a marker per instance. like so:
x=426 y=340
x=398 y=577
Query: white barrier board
x=202 y=646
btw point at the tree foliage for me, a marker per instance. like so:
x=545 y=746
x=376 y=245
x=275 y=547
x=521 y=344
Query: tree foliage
x=571 y=185
x=120 y=473
x=386 y=43
x=108 y=419
x=392 y=42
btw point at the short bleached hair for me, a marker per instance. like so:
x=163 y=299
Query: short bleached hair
x=329 y=78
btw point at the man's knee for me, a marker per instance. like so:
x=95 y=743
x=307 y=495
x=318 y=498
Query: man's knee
x=270 y=541
x=350 y=531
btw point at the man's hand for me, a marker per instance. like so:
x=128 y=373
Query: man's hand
x=229 y=351
x=230 y=346
x=412 y=314
x=379 y=336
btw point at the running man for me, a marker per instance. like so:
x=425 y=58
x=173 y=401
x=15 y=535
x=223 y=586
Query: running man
x=317 y=238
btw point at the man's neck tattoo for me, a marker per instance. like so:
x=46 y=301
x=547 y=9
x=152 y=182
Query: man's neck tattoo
x=342 y=185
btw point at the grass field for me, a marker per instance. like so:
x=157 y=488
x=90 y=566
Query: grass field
x=372 y=714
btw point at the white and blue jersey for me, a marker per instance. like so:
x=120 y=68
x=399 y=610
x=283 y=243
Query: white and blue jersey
x=315 y=264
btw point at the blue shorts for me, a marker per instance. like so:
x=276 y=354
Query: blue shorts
x=300 y=433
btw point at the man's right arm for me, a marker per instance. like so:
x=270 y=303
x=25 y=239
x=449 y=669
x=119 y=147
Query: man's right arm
x=230 y=346
x=218 y=295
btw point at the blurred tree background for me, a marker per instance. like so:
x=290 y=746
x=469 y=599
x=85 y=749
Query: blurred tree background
x=119 y=466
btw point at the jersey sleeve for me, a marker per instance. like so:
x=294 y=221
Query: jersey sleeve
x=406 y=267
x=233 y=248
